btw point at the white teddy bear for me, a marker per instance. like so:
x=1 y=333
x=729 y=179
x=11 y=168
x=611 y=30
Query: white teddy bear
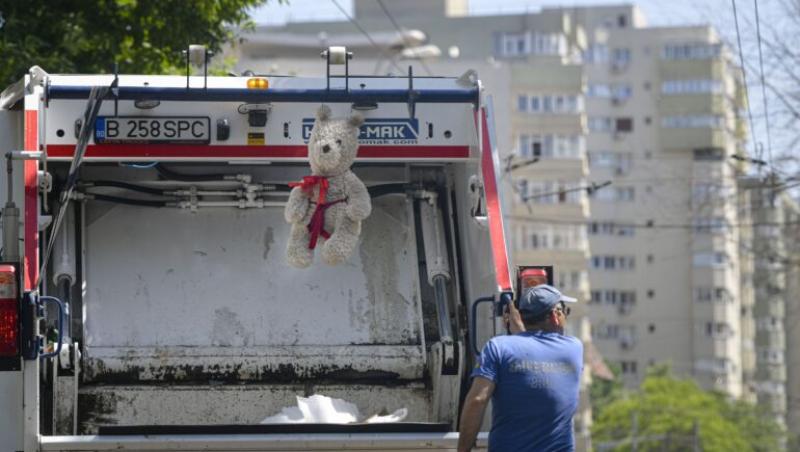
x=332 y=202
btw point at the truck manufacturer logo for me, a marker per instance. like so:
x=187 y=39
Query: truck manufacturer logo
x=379 y=131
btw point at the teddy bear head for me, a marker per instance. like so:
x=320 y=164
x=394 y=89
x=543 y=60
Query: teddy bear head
x=333 y=144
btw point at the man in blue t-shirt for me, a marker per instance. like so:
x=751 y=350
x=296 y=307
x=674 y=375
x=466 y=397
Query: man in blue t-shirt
x=532 y=379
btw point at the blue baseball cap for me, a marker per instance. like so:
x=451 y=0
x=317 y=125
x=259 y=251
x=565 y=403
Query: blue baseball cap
x=542 y=298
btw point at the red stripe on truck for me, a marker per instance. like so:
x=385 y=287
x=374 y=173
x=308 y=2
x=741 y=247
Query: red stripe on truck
x=156 y=151
x=31 y=212
x=496 y=231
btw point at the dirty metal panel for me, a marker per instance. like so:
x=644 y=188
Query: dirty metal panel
x=380 y=364
x=169 y=279
x=476 y=248
x=233 y=404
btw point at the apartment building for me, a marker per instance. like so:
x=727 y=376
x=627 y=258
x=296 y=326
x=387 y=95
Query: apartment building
x=775 y=278
x=662 y=111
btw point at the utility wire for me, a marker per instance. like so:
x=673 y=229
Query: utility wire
x=589 y=189
x=744 y=77
x=763 y=84
x=648 y=225
x=402 y=35
x=367 y=35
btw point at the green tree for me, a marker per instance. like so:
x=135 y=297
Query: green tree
x=603 y=392
x=89 y=36
x=670 y=414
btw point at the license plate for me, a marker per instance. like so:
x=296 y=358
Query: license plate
x=149 y=129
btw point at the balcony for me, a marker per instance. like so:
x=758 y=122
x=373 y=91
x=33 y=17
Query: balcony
x=549 y=77
x=695 y=103
x=692 y=138
x=692 y=69
x=773 y=372
x=561 y=123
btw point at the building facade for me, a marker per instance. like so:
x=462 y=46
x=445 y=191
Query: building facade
x=662 y=107
x=617 y=140
x=775 y=280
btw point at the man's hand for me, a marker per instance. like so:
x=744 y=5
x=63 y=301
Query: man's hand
x=472 y=415
x=513 y=319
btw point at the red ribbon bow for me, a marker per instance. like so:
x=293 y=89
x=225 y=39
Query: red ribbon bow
x=308 y=183
x=316 y=226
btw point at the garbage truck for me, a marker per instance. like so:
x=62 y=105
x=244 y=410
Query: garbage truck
x=145 y=298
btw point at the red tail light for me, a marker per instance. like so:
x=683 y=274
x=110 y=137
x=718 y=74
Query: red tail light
x=9 y=312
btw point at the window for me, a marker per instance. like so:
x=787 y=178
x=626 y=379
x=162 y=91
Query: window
x=527 y=43
x=621 y=91
x=710 y=259
x=621 y=57
x=598 y=90
x=628 y=367
x=551 y=146
x=610 y=229
x=522 y=103
x=550 y=103
x=709 y=154
x=703 y=294
x=599 y=124
x=596 y=53
x=626 y=298
x=691 y=86
x=769 y=324
x=525 y=146
x=536 y=146
x=547 y=104
x=624 y=125
x=514 y=44
x=706 y=225
x=718 y=330
x=622 y=21
x=564 y=238
x=619 y=162
x=692 y=121
x=614 y=194
x=613 y=262
x=535 y=104
x=691 y=51
x=771 y=355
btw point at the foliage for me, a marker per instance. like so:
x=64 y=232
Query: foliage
x=89 y=36
x=670 y=414
x=603 y=392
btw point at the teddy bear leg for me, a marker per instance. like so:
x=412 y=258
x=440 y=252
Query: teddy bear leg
x=297 y=253
x=342 y=242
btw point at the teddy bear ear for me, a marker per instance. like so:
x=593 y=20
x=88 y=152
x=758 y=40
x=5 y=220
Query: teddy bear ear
x=356 y=120
x=324 y=113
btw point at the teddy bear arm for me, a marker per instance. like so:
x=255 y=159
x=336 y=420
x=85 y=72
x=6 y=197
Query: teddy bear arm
x=296 y=205
x=359 y=204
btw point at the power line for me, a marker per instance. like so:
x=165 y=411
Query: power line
x=744 y=73
x=648 y=225
x=400 y=32
x=367 y=35
x=589 y=189
x=763 y=84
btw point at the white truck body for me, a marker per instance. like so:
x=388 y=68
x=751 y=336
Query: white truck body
x=185 y=326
